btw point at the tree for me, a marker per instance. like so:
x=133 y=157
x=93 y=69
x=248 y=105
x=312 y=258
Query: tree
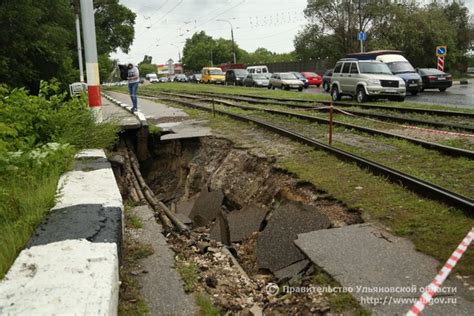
x=146 y=67
x=333 y=26
x=39 y=40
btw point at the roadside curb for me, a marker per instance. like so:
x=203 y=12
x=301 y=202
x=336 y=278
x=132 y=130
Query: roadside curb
x=461 y=82
x=141 y=117
x=71 y=265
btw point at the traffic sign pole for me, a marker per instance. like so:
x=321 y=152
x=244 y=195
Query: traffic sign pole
x=441 y=52
x=441 y=63
x=361 y=37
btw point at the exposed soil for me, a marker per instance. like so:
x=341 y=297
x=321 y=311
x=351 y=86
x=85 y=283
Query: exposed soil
x=179 y=170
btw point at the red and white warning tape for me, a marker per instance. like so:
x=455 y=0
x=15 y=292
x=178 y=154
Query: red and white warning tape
x=435 y=131
x=436 y=284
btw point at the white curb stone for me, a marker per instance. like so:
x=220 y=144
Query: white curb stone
x=71 y=277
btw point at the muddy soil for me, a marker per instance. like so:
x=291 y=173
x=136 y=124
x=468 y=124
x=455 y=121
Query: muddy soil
x=180 y=169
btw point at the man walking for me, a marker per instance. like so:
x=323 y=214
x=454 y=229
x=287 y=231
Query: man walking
x=133 y=82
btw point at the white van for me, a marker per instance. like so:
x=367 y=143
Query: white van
x=257 y=70
x=152 y=78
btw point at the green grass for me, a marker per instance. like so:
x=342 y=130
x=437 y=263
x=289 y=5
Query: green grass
x=206 y=308
x=23 y=203
x=189 y=273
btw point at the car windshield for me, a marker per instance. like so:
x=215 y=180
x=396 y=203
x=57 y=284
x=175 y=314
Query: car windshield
x=241 y=72
x=374 y=68
x=311 y=74
x=216 y=72
x=401 y=67
x=287 y=76
x=259 y=77
x=298 y=75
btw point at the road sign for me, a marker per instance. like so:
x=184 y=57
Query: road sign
x=362 y=36
x=441 y=51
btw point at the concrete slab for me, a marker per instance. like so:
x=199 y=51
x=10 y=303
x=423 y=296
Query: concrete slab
x=161 y=286
x=94 y=223
x=185 y=207
x=244 y=222
x=187 y=129
x=91 y=153
x=184 y=219
x=220 y=229
x=379 y=268
x=112 y=112
x=207 y=206
x=71 y=277
x=291 y=271
x=275 y=247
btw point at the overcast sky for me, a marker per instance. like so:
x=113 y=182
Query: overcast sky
x=162 y=26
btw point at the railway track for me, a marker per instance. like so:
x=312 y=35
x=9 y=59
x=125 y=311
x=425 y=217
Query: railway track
x=311 y=103
x=420 y=186
x=378 y=116
x=453 y=151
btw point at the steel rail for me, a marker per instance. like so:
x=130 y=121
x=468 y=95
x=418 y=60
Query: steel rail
x=420 y=186
x=349 y=104
x=383 y=117
x=453 y=151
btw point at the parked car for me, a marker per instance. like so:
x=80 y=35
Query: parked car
x=196 y=78
x=152 y=78
x=364 y=80
x=470 y=71
x=180 y=78
x=235 y=76
x=313 y=78
x=256 y=80
x=257 y=69
x=435 y=79
x=299 y=76
x=327 y=80
x=212 y=75
x=163 y=79
x=286 y=81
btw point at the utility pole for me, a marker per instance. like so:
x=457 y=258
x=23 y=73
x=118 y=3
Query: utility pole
x=79 y=48
x=232 y=36
x=90 y=50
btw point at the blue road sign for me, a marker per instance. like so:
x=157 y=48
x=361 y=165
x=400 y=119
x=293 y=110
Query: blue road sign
x=362 y=36
x=441 y=50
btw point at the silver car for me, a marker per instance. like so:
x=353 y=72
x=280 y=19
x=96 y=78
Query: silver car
x=365 y=80
x=286 y=81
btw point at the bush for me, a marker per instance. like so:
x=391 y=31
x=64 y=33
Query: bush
x=39 y=136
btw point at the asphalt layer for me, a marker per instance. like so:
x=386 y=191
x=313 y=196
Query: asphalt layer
x=379 y=267
x=461 y=96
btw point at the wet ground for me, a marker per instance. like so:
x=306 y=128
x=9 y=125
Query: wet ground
x=456 y=96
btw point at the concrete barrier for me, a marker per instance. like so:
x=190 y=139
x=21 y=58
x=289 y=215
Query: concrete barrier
x=70 y=265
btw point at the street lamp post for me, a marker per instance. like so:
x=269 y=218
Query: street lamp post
x=90 y=49
x=232 y=36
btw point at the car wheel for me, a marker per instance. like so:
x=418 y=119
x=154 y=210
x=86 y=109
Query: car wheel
x=361 y=96
x=400 y=99
x=442 y=89
x=318 y=85
x=300 y=89
x=414 y=92
x=273 y=87
x=269 y=86
x=285 y=87
x=335 y=94
x=326 y=86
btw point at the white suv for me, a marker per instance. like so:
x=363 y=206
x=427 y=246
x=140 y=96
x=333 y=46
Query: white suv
x=364 y=80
